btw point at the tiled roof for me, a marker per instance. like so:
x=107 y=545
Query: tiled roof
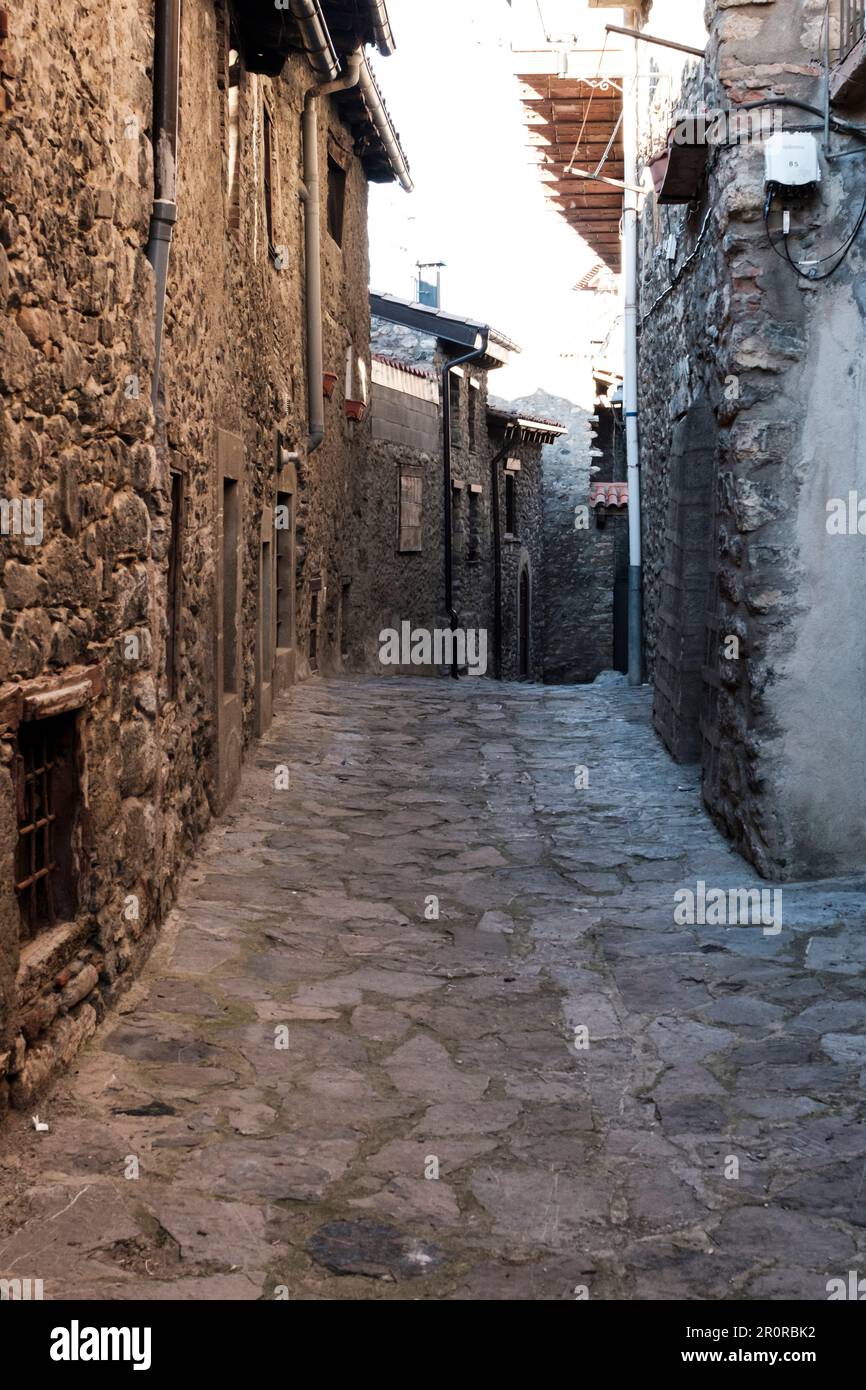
x=412 y=367
x=608 y=494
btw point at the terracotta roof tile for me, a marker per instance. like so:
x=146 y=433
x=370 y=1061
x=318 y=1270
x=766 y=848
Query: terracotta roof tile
x=608 y=494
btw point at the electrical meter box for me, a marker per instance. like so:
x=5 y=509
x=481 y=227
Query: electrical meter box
x=792 y=160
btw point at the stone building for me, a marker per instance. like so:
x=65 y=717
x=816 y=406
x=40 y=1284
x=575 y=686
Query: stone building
x=750 y=310
x=492 y=458
x=752 y=392
x=584 y=535
x=184 y=373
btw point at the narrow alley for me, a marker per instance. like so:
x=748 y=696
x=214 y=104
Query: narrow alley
x=422 y=1026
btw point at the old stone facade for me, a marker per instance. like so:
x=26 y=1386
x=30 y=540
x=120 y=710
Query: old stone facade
x=496 y=496
x=164 y=572
x=752 y=389
x=583 y=541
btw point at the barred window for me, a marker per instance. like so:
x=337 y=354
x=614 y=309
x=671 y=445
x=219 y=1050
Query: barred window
x=48 y=802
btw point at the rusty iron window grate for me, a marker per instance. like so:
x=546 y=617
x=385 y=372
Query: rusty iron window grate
x=47 y=798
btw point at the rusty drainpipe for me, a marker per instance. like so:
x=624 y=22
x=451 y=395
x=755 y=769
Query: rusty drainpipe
x=166 y=85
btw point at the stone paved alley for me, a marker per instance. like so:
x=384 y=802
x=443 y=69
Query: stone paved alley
x=300 y=1172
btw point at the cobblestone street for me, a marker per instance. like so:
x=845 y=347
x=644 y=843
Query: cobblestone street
x=418 y=1044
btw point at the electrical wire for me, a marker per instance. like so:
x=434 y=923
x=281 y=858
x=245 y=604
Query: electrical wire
x=848 y=127
x=841 y=252
x=682 y=270
x=570 y=165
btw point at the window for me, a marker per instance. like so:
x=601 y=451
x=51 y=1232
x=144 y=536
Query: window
x=48 y=798
x=229 y=82
x=345 y=618
x=411 y=484
x=510 y=505
x=268 y=172
x=454 y=397
x=231 y=560
x=336 y=199
x=473 y=416
x=267 y=612
x=315 y=602
x=285 y=595
x=457 y=530
x=175 y=586
x=474 y=548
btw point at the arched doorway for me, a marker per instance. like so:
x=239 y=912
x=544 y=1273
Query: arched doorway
x=524 y=624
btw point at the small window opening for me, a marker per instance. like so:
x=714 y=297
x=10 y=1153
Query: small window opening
x=175 y=586
x=231 y=558
x=285 y=595
x=336 y=199
x=411 y=484
x=345 y=618
x=268 y=173
x=315 y=600
x=267 y=608
x=510 y=505
x=474 y=548
x=454 y=393
x=232 y=130
x=48 y=802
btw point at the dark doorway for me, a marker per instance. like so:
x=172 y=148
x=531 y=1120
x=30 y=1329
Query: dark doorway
x=680 y=651
x=620 y=596
x=524 y=624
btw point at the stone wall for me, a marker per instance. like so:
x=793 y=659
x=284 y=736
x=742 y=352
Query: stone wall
x=84 y=614
x=579 y=558
x=777 y=360
x=522 y=559
x=394 y=587
x=407 y=431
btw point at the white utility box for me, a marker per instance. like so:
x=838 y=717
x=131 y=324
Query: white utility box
x=792 y=159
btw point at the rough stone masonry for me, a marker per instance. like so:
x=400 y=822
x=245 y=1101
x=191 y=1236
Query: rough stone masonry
x=449 y=1043
x=752 y=392
x=143 y=639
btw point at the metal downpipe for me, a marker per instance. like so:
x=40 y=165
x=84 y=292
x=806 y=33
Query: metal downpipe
x=473 y=356
x=166 y=86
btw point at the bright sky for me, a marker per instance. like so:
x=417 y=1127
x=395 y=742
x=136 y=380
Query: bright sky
x=478 y=204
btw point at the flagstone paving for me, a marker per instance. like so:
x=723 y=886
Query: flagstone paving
x=327 y=1090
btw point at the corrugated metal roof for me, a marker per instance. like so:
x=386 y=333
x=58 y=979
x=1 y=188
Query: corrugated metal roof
x=411 y=367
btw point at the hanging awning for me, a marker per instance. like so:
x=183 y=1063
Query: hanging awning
x=574 y=123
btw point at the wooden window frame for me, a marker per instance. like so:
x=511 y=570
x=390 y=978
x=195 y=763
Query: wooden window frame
x=268 y=168
x=174 y=578
x=410 y=473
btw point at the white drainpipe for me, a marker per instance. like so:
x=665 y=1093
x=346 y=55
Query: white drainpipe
x=630 y=391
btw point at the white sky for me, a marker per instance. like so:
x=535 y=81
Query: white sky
x=478 y=204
